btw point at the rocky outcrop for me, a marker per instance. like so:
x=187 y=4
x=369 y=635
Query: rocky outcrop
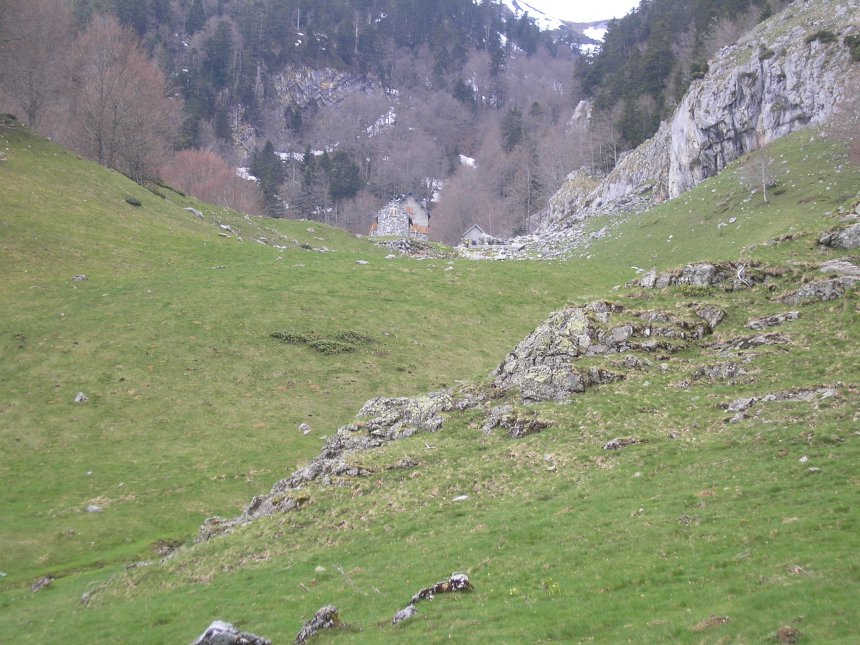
x=772 y=321
x=845 y=275
x=777 y=79
x=846 y=238
x=728 y=275
x=543 y=367
x=326 y=618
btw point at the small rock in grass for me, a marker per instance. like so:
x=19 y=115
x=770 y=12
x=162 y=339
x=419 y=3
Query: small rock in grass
x=304 y=428
x=221 y=633
x=79 y=278
x=93 y=508
x=80 y=397
x=404 y=614
x=362 y=262
x=42 y=583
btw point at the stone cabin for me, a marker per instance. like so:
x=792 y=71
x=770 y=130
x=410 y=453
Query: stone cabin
x=474 y=235
x=403 y=218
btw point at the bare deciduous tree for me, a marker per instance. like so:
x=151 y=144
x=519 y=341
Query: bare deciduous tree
x=757 y=171
x=34 y=40
x=121 y=113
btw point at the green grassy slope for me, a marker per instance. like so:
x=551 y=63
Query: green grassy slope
x=194 y=409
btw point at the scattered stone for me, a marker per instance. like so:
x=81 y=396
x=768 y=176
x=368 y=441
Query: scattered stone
x=741 y=406
x=404 y=464
x=80 y=397
x=730 y=275
x=405 y=614
x=460 y=498
x=326 y=618
x=93 y=508
x=712 y=621
x=507 y=417
x=846 y=238
x=414 y=248
x=221 y=633
x=449 y=268
x=79 y=278
x=728 y=371
x=304 y=428
x=42 y=583
x=618 y=443
x=86 y=597
x=787 y=635
x=632 y=363
x=457 y=582
x=195 y=212
x=712 y=315
x=362 y=262
x=772 y=321
x=820 y=291
x=751 y=342
x=227 y=228
x=390 y=256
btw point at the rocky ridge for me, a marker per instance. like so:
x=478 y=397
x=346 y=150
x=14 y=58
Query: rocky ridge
x=574 y=349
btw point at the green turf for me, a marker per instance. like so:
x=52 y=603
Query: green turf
x=194 y=408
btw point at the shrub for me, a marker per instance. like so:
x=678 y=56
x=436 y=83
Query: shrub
x=764 y=53
x=293 y=337
x=822 y=36
x=327 y=346
x=853 y=44
x=349 y=336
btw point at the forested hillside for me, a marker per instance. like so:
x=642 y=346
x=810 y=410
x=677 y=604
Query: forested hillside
x=337 y=106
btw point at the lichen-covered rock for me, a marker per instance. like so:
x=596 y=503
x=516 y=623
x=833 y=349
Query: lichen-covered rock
x=326 y=618
x=541 y=366
x=751 y=342
x=221 y=633
x=458 y=582
x=772 y=321
x=727 y=371
x=729 y=275
x=846 y=238
x=394 y=418
x=819 y=291
x=405 y=614
x=517 y=424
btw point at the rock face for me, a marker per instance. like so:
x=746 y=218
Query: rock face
x=776 y=80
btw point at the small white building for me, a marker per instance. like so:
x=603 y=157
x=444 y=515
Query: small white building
x=475 y=235
x=403 y=218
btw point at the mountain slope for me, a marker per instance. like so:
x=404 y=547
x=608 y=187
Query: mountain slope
x=194 y=410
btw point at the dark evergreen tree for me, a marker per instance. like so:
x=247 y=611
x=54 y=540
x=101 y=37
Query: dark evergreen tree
x=512 y=129
x=196 y=17
x=267 y=167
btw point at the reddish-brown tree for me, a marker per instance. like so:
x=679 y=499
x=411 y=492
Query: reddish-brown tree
x=207 y=176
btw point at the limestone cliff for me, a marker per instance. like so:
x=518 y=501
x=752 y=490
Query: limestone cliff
x=789 y=72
